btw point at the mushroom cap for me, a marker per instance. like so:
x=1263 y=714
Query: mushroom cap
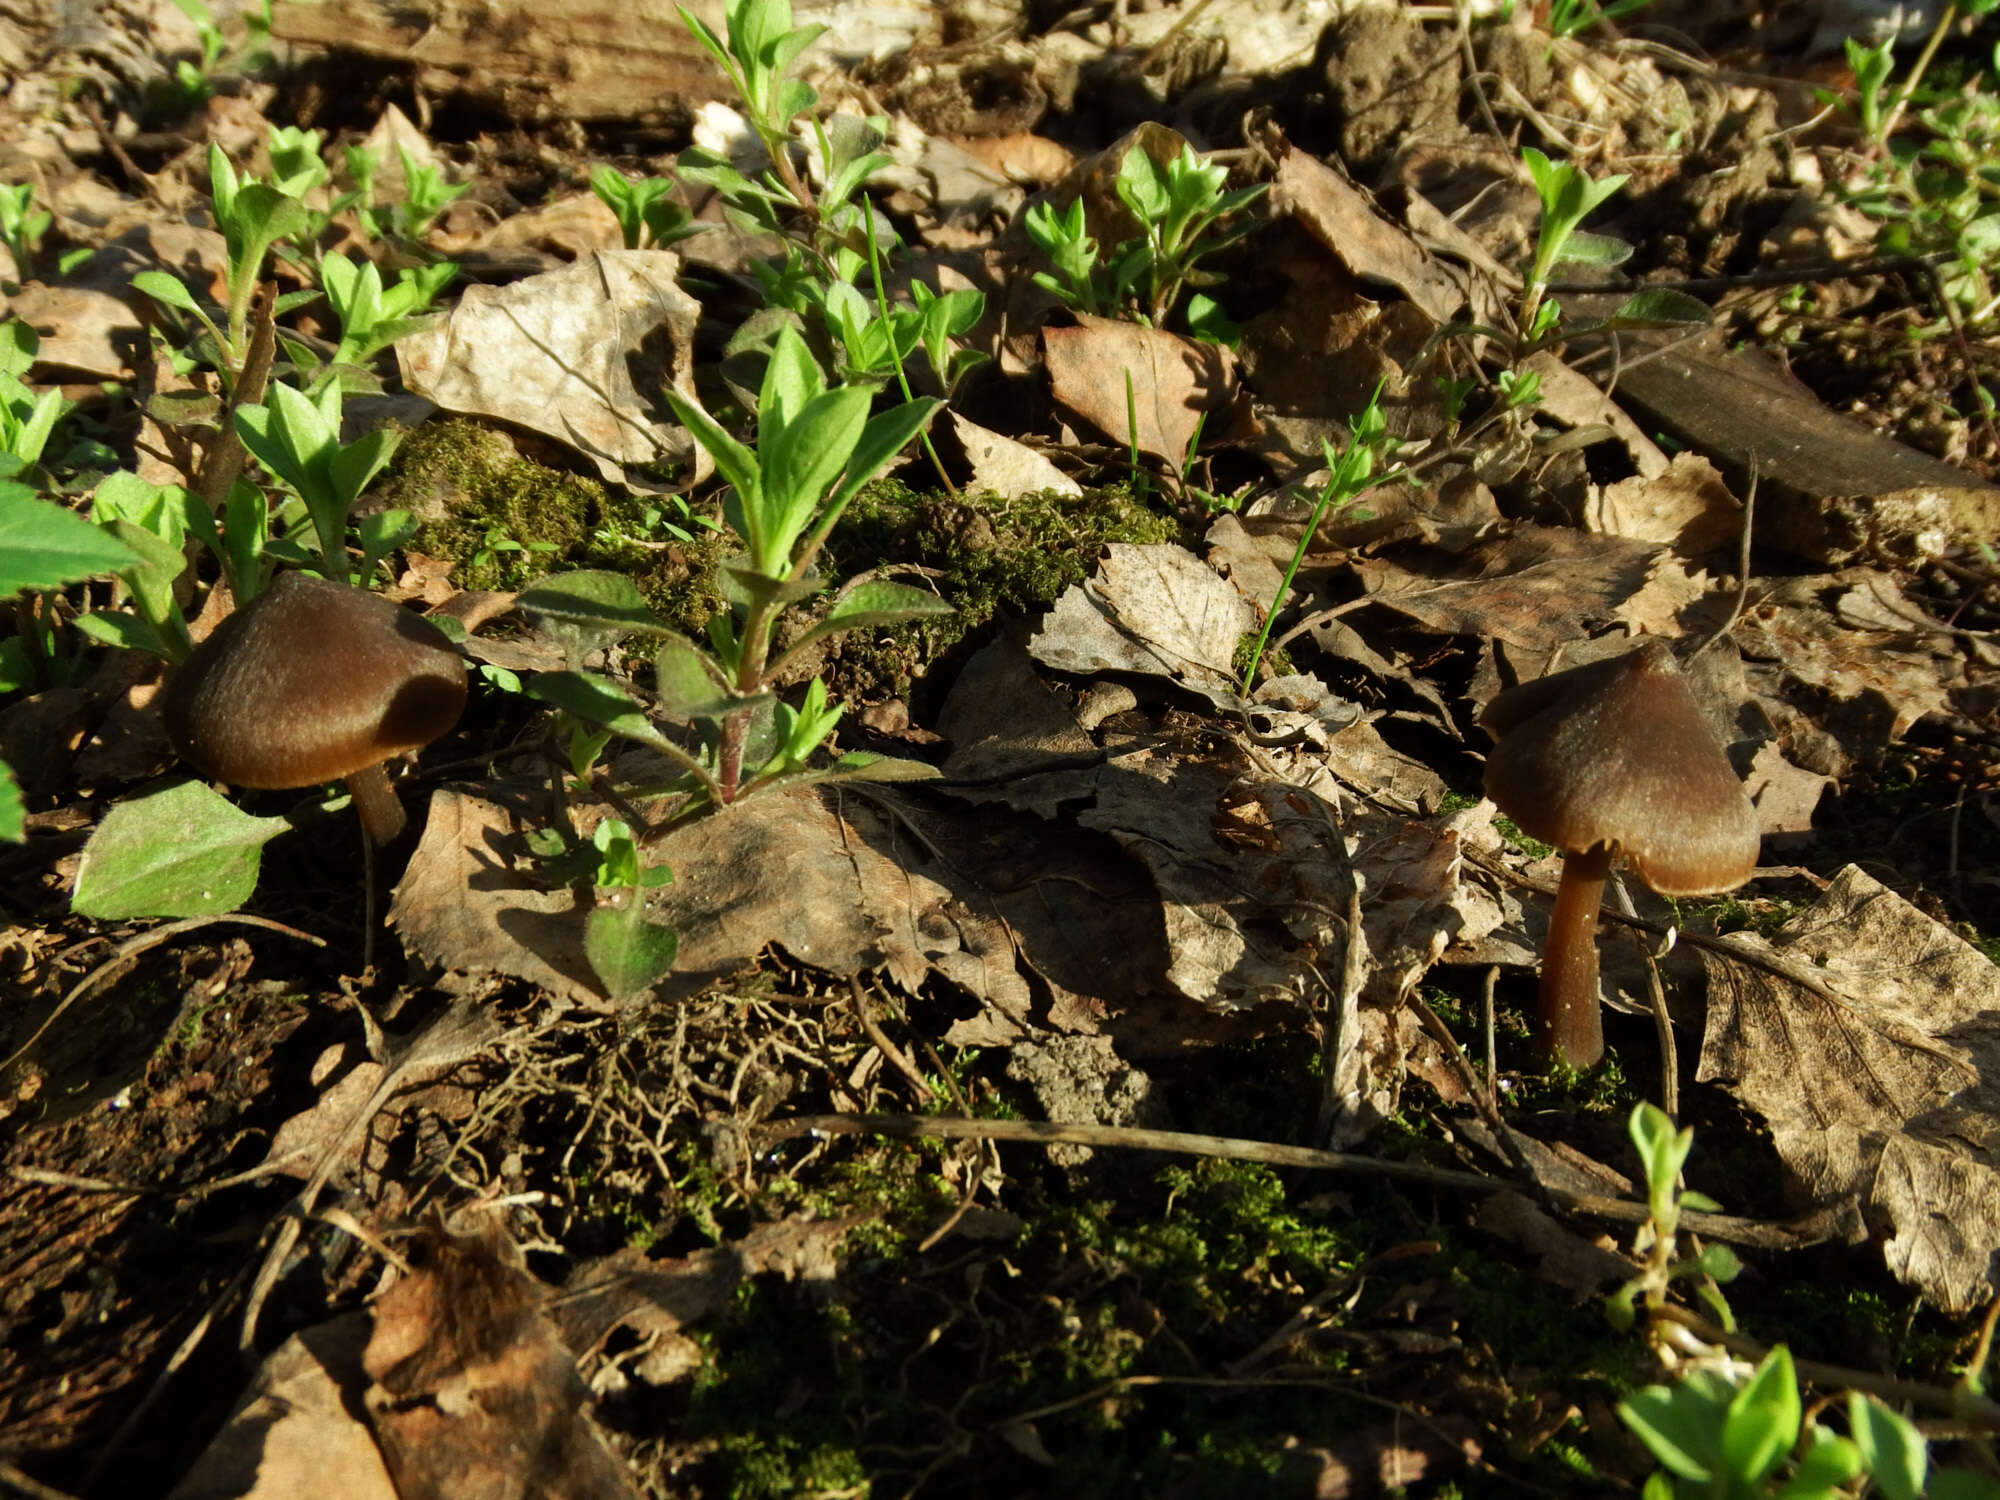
x=310 y=682
x=1616 y=755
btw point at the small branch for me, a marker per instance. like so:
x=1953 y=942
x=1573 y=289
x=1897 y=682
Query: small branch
x=1725 y=1227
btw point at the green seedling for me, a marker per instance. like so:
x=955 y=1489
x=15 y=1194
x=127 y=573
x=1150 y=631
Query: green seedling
x=253 y=217
x=816 y=446
x=297 y=438
x=1071 y=248
x=296 y=165
x=1350 y=473
x=194 y=82
x=628 y=952
x=1722 y=1439
x=1569 y=196
x=758 y=52
x=27 y=417
x=647 y=214
x=1181 y=210
x=22 y=225
x=372 y=316
x=425 y=195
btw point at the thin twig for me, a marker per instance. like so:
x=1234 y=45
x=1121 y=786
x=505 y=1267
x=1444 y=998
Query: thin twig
x=1726 y=1227
x=130 y=950
x=1663 y=1024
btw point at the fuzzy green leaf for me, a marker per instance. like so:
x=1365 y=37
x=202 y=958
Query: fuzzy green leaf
x=607 y=604
x=44 y=545
x=628 y=952
x=1893 y=1450
x=183 y=851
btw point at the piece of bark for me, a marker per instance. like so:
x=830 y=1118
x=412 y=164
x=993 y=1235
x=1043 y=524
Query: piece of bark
x=534 y=63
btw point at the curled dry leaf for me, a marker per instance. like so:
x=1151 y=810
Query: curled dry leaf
x=1876 y=1070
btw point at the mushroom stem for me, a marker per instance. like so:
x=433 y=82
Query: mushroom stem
x=1570 y=1026
x=382 y=815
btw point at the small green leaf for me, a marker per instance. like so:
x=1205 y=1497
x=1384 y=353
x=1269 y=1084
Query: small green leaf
x=689 y=681
x=1831 y=1462
x=860 y=765
x=183 y=851
x=163 y=288
x=1680 y=1424
x=44 y=545
x=629 y=953
x=1763 y=1419
x=13 y=811
x=607 y=604
x=1893 y=1450
x=1582 y=249
x=1662 y=307
x=597 y=700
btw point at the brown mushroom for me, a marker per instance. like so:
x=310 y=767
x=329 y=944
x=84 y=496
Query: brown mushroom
x=1608 y=759
x=315 y=681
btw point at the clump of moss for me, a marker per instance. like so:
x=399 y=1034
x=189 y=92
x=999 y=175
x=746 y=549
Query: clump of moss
x=505 y=519
x=990 y=557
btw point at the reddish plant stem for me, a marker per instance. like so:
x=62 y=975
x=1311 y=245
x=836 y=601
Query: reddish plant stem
x=1569 y=1024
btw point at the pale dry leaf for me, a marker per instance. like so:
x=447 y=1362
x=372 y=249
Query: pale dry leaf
x=1875 y=1070
x=578 y=354
x=1786 y=795
x=1174 y=383
x=1885 y=680
x=472 y=900
x=1155 y=609
x=1576 y=401
x=841 y=880
x=1007 y=468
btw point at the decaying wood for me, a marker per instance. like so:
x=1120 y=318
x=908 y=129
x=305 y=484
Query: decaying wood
x=582 y=59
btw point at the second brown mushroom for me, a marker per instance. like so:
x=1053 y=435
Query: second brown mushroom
x=1614 y=759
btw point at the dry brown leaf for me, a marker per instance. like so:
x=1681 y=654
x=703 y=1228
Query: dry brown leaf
x=1884 y=680
x=1833 y=490
x=1174 y=383
x=840 y=880
x=577 y=354
x=474 y=1395
x=1541 y=586
x=1875 y=1072
x=1786 y=795
x=1576 y=401
x=1563 y=1257
x=1346 y=221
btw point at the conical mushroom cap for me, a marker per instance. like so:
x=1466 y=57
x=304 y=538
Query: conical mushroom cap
x=310 y=682
x=1616 y=755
